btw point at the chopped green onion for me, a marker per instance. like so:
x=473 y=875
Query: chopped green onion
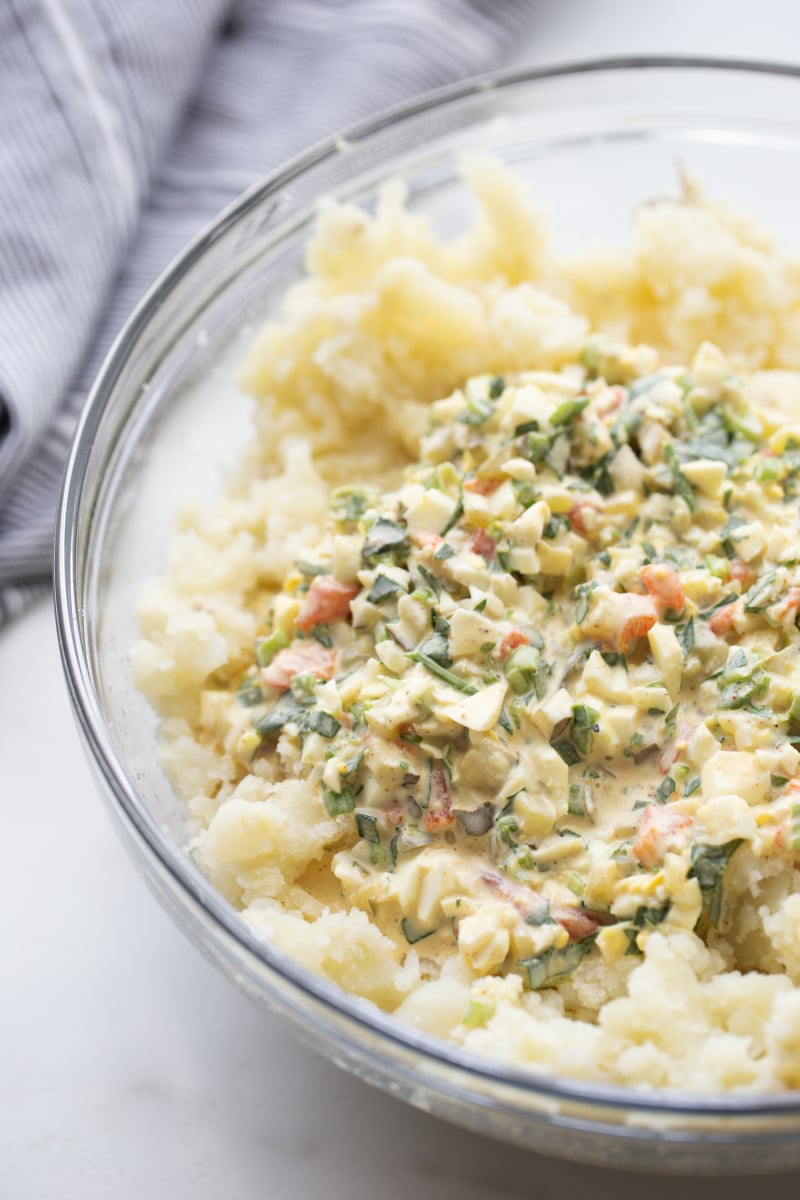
x=455 y=516
x=568 y=410
x=268 y=647
x=522 y=669
x=431 y=665
x=412 y=934
x=367 y=826
x=385 y=539
x=431 y=580
x=322 y=723
x=665 y=789
x=708 y=868
x=338 y=803
x=584 y=727
x=554 y=964
x=382 y=587
x=681 y=484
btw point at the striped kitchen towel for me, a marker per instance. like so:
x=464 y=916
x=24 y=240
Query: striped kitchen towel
x=123 y=129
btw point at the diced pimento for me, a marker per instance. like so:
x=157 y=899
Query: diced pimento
x=394 y=813
x=582 y=517
x=739 y=572
x=483 y=487
x=721 y=622
x=511 y=641
x=658 y=833
x=636 y=622
x=300 y=660
x=327 y=599
x=618 y=619
x=664 y=585
x=790 y=604
x=439 y=812
x=482 y=544
x=578 y=923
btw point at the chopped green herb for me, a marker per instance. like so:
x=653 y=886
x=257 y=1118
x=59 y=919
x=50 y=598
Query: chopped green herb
x=681 y=484
x=349 y=504
x=567 y=751
x=723 y=603
x=437 y=647
x=665 y=789
x=507 y=828
x=322 y=723
x=708 y=868
x=311 y=569
x=478 y=1014
x=576 y=806
x=632 y=933
x=554 y=964
x=412 y=934
x=568 y=410
x=434 y=667
x=584 y=727
x=249 y=693
x=455 y=516
x=477 y=412
x=385 y=539
x=645 y=917
x=338 y=803
x=268 y=647
x=582 y=594
x=367 y=826
x=505 y=721
x=431 y=580
x=540 y=915
x=539 y=446
x=685 y=635
x=728 y=528
x=522 y=669
x=382 y=587
x=758 y=597
x=285 y=711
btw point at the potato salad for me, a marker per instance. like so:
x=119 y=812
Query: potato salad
x=480 y=681
x=550 y=686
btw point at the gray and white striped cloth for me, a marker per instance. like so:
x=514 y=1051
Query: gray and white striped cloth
x=124 y=127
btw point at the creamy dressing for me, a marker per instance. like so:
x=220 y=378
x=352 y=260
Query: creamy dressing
x=550 y=683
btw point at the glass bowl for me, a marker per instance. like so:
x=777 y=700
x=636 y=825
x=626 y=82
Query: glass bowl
x=592 y=140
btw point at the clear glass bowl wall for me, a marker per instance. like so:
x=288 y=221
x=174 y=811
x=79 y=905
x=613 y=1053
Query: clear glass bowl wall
x=165 y=418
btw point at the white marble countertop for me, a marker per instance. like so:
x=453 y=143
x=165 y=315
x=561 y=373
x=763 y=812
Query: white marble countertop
x=128 y=1066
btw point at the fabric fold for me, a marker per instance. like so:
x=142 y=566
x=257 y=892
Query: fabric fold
x=123 y=130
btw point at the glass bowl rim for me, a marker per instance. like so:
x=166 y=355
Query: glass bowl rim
x=192 y=885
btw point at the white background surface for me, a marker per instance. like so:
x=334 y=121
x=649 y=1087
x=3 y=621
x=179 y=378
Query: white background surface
x=128 y=1067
